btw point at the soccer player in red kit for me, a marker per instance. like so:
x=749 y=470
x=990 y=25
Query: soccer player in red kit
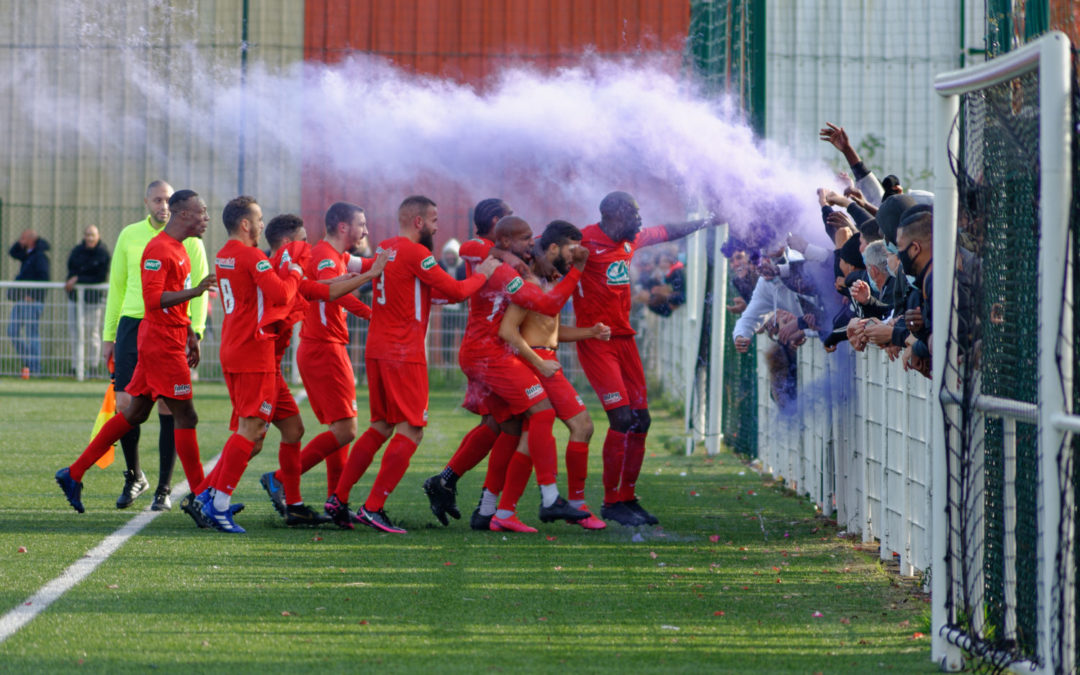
x=614 y=368
x=396 y=359
x=486 y=436
x=167 y=346
x=288 y=243
x=512 y=389
x=322 y=356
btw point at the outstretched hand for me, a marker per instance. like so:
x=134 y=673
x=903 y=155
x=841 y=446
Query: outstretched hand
x=836 y=136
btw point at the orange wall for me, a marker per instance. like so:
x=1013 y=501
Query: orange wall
x=468 y=40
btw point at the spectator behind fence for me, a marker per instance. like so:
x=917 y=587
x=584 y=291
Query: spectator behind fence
x=450 y=261
x=88 y=263
x=915 y=241
x=669 y=291
x=31 y=251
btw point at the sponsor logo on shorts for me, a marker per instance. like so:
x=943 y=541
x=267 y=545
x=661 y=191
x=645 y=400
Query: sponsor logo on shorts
x=326 y=264
x=425 y=414
x=353 y=405
x=181 y=389
x=611 y=397
x=515 y=285
x=263 y=266
x=225 y=263
x=579 y=401
x=428 y=262
x=152 y=265
x=534 y=391
x=618 y=274
x=265 y=408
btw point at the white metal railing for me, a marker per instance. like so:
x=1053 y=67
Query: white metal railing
x=857 y=443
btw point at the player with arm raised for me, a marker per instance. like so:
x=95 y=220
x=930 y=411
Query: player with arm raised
x=167 y=345
x=479 y=441
x=535 y=338
x=396 y=359
x=614 y=368
x=513 y=392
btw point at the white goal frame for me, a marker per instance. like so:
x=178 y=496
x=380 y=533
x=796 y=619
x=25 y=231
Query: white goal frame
x=1050 y=55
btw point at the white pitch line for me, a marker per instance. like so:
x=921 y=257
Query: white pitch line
x=37 y=603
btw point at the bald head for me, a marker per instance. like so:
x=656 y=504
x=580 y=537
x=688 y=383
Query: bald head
x=620 y=217
x=91 y=236
x=513 y=234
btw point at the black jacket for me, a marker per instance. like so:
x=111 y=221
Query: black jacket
x=91 y=266
x=34 y=267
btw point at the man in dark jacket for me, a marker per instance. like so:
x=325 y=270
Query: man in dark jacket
x=88 y=263
x=30 y=251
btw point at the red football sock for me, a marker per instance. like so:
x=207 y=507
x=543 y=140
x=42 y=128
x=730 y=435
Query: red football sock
x=631 y=469
x=363 y=451
x=542 y=450
x=315 y=451
x=234 y=459
x=613 y=453
x=517 y=478
x=474 y=447
x=335 y=464
x=498 y=460
x=187 y=449
x=577 y=466
x=395 y=462
x=289 y=474
x=110 y=433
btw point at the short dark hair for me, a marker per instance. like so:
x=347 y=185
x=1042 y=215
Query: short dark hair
x=559 y=232
x=181 y=196
x=340 y=212
x=417 y=203
x=236 y=210
x=919 y=227
x=282 y=226
x=487 y=213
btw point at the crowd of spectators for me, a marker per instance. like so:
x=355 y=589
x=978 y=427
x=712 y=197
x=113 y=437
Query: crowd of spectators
x=871 y=289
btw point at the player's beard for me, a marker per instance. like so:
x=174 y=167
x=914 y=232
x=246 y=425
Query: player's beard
x=562 y=265
x=427 y=238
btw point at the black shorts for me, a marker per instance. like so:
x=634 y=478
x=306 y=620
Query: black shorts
x=125 y=351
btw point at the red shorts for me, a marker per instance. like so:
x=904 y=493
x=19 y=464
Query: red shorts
x=162 y=370
x=398 y=391
x=513 y=387
x=328 y=379
x=564 y=398
x=285 y=405
x=614 y=371
x=252 y=395
x=476 y=395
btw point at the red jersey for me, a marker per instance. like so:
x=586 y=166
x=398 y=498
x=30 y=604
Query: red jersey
x=604 y=294
x=277 y=322
x=249 y=284
x=165 y=268
x=473 y=252
x=325 y=320
x=401 y=300
x=487 y=307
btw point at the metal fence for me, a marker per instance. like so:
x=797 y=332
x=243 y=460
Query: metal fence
x=857 y=444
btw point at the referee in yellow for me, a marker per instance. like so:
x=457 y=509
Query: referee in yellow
x=123 y=314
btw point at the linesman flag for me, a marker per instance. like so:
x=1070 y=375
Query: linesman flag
x=108 y=409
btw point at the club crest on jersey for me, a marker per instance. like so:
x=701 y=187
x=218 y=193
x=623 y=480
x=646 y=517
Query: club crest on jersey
x=618 y=274
x=428 y=262
x=181 y=389
x=534 y=391
x=265 y=408
x=152 y=265
x=612 y=397
x=263 y=266
x=515 y=285
x=326 y=264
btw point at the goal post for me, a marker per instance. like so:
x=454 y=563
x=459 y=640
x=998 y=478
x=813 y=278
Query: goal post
x=1000 y=593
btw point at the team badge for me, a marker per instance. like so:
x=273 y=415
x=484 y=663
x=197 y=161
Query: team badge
x=263 y=266
x=515 y=285
x=428 y=262
x=152 y=265
x=326 y=264
x=618 y=274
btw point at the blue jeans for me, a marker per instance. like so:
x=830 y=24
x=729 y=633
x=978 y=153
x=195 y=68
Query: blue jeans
x=27 y=314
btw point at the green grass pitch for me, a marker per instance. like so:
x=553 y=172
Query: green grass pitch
x=731 y=583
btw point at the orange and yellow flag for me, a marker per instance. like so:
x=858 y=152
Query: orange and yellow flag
x=108 y=409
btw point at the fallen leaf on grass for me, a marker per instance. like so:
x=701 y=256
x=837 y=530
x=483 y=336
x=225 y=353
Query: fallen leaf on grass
x=447 y=563
x=22 y=549
x=363 y=622
x=718 y=612
x=114 y=586
x=316 y=539
x=844 y=620
x=551 y=538
x=285 y=612
x=558 y=568
x=916 y=636
x=817 y=615
x=714 y=538
x=652 y=554
x=905 y=623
